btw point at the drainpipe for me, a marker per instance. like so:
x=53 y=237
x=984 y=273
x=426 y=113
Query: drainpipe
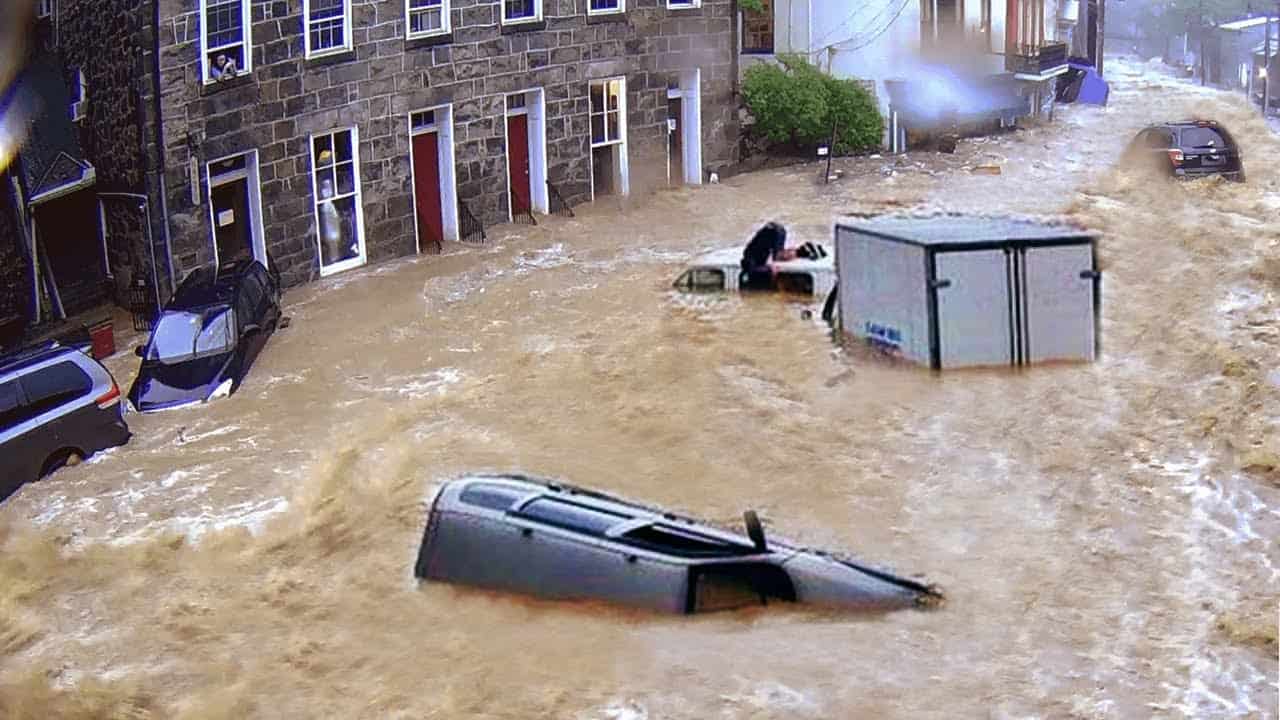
x=159 y=129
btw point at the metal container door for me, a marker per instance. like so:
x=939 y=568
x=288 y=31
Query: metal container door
x=1058 y=296
x=974 y=308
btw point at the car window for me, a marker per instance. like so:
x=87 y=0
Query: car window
x=217 y=334
x=719 y=591
x=706 y=279
x=571 y=516
x=11 y=410
x=54 y=386
x=252 y=287
x=1157 y=139
x=686 y=543
x=494 y=497
x=1202 y=137
x=181 y=335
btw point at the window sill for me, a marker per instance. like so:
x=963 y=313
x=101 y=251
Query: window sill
x=684 y=6
x=330 y=57
x=415 y=42
x=215 y=86
x=519 y=26
x=612 y=16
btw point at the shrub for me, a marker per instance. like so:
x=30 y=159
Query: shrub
x=795 y=103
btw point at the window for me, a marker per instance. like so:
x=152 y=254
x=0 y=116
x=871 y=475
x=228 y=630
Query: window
x=427 y=17
x=516 y=102
x=180 y=336
x=701 y=279
x=757 y=30
x=683 y=4
x=425 y=120
x=604 y=7
x=514 y=11
x=494 y=497
x=571 y=516
x=78 y=95
x=1200 y=138
x=12 y=412
x=738 y=585
x=339 y=219
x=606 y=112
x=328 y=26
x=685 y=543
x=53 y=386
x=225 y=40
x=46 y=9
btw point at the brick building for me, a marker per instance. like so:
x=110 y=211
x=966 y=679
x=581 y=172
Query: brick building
x=330 y=133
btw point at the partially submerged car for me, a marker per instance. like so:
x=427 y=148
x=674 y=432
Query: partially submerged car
x=1187 y=149
x=207 y=337
x=721 y=270
x=526 y=535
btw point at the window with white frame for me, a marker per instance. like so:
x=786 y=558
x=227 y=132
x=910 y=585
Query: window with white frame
x=45 y=9
x=224 y=40
x=426 y=17
x=79 y=99
x=514 y=11
x=336 y=179
x=604 y=7
x=607 y=122
x=328 y=26
x=680 y=4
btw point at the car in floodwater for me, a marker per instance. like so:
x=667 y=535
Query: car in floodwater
x=208 y=336
x=528 y=535
x=57 y=406
x=1187 y=149
x=721 y=270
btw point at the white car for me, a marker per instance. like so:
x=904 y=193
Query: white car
x=722 y=270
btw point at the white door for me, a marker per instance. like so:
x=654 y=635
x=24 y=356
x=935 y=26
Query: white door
x=974 y=311
x=1059 y=323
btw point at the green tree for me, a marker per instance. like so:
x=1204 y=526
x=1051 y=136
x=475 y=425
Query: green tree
x=796 y=104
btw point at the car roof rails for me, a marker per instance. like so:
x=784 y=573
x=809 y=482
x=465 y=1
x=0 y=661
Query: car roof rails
x=31 y=354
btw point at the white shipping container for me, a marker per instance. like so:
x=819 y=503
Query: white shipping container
x=959 y=291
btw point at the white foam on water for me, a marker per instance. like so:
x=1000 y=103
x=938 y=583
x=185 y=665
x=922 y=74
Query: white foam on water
x=618 y=710
x=542 y=259
x=250 y=515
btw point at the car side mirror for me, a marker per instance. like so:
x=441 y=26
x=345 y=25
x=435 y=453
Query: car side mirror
x=139 y=350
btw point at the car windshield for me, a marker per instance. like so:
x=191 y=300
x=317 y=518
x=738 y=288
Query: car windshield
x=181 y=335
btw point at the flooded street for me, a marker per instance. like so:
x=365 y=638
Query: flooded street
x=1106 y=533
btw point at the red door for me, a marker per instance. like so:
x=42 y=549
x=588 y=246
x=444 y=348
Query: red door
x=518 y=162
x=426 y=188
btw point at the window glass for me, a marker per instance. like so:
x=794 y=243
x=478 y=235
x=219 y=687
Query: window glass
x=337 y=181
x=571 y=516
x=494 y=497
x=686 y=543
x=605 y=5
x=11 y=410
x=706 y=279
x=605 y=100
x=224 y=39
x=426 y=16
x=326 y=25
x=1202 y=137
x=53 y=386
x=180 y=336
x=519 y=9
x=217 y=335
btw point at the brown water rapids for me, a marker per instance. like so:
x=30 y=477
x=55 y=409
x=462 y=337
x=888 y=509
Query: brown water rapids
x=1106 y=533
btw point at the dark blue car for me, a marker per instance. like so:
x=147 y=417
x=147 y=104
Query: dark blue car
x=208 y=336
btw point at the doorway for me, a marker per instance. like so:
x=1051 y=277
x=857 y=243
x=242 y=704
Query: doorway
x=435 y=201
x=675 y=146
x=684 y=129
x=526 y=137
x=235 y=209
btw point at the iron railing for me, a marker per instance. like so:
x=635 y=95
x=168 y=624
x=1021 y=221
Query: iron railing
x=142 y=305
x=471 y=228
x=558 y=205
x=523 y=216
x=1036 y=60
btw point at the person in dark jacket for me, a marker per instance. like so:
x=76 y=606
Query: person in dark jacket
x=767 y=245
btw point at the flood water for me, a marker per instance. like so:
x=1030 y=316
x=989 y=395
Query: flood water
x=1105 y=551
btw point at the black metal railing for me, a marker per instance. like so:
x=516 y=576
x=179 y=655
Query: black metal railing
x=558 y=205
x=1036 y=60
x=471 y=229
x=523 y=216
x=142 y=305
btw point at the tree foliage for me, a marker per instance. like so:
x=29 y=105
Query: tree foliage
x=795 y=103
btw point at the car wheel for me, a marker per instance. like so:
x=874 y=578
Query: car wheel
x=61 y=459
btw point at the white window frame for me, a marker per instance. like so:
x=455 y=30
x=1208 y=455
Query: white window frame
x=358 y=194
x=346 y=31
x=535 y=17
x=620 y=7
x=409 y=10
x=622 y=111
x=78 y=106
x=683 y=5
x=246 y=39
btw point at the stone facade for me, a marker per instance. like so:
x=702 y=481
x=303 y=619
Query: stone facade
x=276 y=107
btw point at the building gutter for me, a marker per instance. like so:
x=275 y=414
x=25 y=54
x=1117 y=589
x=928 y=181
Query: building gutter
x=159 y=140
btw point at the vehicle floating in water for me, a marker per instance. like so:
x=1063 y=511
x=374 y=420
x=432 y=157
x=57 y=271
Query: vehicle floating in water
x=721 y=270
x=527 y=535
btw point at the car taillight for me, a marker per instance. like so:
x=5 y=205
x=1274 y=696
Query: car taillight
x=1175 y=156
x=110 y=397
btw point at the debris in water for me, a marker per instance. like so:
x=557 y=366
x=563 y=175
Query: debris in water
x=986 y=170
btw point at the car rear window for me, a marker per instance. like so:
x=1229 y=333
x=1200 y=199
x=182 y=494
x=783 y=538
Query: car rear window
x=571 y=516
x=53 y=386
x=686 y=543
x=11 y=410
x=494 y=497
x=1202 y=137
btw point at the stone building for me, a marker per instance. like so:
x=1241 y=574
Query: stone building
x=325 y=134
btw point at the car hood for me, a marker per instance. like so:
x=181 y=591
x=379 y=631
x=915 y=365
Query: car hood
x=160 y=386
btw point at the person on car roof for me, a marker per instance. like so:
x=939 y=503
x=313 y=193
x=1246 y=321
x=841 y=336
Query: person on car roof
x=768 y=245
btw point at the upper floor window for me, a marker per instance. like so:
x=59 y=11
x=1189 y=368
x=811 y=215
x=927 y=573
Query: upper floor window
x=328 y=26
x=604 y=7
x=78 y=95
x=45 y=9
x=682 y=4
x=427 y=17
x=225 y=41
x=514 y=11
x=757 y=30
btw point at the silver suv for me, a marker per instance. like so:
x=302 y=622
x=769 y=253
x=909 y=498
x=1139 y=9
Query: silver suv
x=57 y=406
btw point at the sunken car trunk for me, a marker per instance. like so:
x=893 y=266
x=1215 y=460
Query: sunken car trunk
x=524 y=535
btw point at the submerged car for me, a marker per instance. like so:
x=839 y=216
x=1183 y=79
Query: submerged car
x=207 y=337
x=1188 y=149
x=57 y=406
x=527 y=535
x=722 y=270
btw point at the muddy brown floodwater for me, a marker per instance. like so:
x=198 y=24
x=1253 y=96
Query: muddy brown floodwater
x=1105 y=532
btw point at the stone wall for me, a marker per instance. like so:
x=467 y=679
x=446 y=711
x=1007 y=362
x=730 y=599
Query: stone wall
x=285 y=98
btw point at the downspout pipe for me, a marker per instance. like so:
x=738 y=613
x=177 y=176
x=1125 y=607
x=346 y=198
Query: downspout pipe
x=159 y=131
